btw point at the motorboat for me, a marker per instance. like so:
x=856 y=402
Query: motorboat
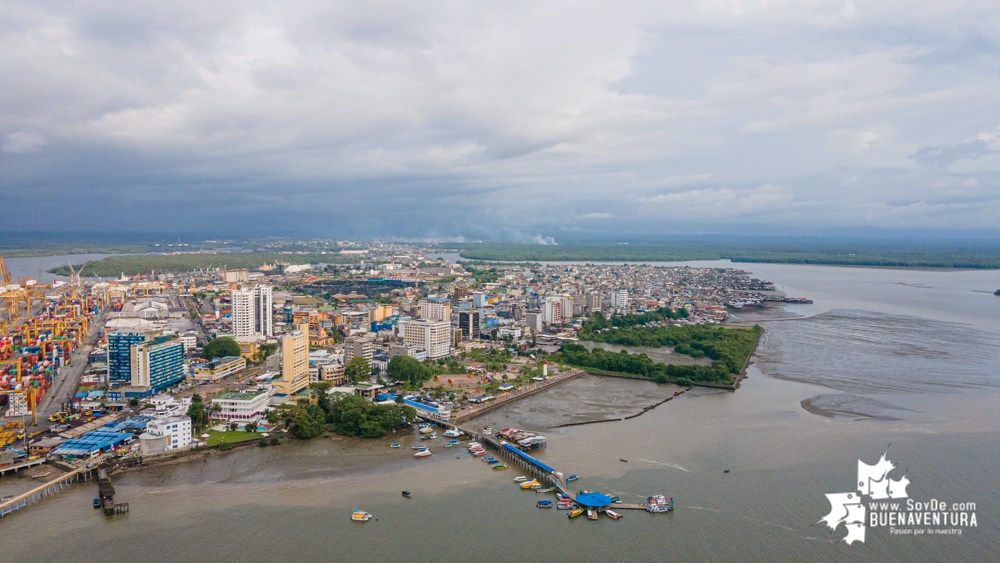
x=394 y=445
x=490 y=459
x=406 y=494
x=528 y=484
x=544 y=503
x=574 y=513
x=360 y=516
x=478 y=453
x=566 y=506
x=535 y=486
x=657 y=508
x=612 y=514
x=499 y=466
x=615 y=498
x=453 y=433
x=451 y=443
x=548 y=490
x=426 y=430
x=423 y=453
x=573 y=477
x=520 y=479
x=420 y=447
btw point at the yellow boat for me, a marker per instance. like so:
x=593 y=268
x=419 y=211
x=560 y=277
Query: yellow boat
x=528 y=484
x=575 y=513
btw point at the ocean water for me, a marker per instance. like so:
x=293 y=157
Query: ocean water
x=897 y=360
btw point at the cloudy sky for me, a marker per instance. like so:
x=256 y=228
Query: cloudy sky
x=501 y=120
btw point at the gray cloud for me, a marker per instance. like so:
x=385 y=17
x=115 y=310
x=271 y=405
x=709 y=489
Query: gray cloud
x=414 y=118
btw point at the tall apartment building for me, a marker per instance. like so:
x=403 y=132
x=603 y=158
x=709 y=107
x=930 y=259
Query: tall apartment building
x=157 y=364
x=435 y=309
x=619 y=299
x=468 y=322
x=594 y=302
x=252 y=312
x=479 y=299
x=120 y=353
x=533 y=319
x=432 y=336
x=294 y=362
x=358 y=346
x=556 y=308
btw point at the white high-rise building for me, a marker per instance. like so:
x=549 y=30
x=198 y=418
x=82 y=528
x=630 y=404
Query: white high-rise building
x=252 y=310
x=619 y=299
x=435 y=309
x=433 y=336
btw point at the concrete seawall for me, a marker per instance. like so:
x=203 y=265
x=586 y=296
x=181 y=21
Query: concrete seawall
x=573 y=374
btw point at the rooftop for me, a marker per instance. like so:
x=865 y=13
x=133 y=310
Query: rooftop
x=244 y=395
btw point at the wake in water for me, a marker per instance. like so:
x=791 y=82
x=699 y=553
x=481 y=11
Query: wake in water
x=672 y=465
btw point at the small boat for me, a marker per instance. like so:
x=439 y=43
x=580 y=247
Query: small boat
x=623 y=459
x=591 y=514
x=528 y=484
x=42 y=475
x=615 y=498
x=499 y=466
x=478 y=453
x=575 y=513
x=420 y=447
x=548 y=490
x=423 y=453
x=453 y=433
x=566 y=506
x=726 y=471
x=520 y=479
x=394 y=445
x=97 y=502
x=535 y=486
x=406 y=494
x=544 y=503
x=612 y=514
x=572 y=477
x=426 y=430
x=360 y=516
x=490 y=459
x=451 y=443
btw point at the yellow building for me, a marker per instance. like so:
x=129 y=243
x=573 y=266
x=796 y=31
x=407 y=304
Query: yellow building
x=294 y=362
x=248 y=350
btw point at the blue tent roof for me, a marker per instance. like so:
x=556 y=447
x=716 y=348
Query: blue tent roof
x=593 y=500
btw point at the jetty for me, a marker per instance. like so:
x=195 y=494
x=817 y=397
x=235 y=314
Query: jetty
x=42 y=491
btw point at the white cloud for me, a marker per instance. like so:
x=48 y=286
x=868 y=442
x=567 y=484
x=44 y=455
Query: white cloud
x=596 y=216
x=22 y=142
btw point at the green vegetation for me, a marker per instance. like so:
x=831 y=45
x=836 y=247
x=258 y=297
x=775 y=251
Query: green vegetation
x=598 y=321
x=408 y=370
x=197 y=412
x=728 y=348
x=349 y=415
x=848 y=252
x=484 y=276
x=220 y=347
x=216 y=438
x=176 y=263
x=358 y=369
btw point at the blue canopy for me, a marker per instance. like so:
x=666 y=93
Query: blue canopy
x=593 y=500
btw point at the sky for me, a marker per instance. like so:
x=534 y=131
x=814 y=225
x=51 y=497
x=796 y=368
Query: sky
x=521 y=121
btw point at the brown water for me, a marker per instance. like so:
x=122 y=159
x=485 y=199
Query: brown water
x=922 y=375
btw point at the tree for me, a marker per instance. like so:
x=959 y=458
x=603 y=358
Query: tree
x=220 y=347
x=408 y=370
x=358 y=369
x=234 y=426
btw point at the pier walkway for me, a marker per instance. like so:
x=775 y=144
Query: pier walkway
x=42 y=491
x=19 y=466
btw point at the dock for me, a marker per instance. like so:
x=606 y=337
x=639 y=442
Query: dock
x=38 y=493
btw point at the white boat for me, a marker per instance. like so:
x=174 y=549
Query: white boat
x=520 y=479
x=613 y=514
x=426 y=430
x=453 y=433
x=420 y=447
x=422 y=453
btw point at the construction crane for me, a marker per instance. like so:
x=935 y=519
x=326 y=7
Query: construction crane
x=4 y=274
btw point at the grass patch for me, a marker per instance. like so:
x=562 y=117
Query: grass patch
x=216 y=438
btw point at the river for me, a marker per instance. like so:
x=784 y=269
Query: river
x=901 y=357
x=20 y=267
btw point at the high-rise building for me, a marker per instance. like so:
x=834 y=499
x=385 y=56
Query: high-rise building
x=120 y=353
x=358 y=346
x=468 y=321
x=594 y=302
x=533 y=319
x=294 y=362
x=252 y=310
x=478 y=299
x=619 y=299
x=157 y=364
x=432 y=336
x=435 y=309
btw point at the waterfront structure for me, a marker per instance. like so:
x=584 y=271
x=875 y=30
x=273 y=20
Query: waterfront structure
x=468 y=322
x=241 y=406
x=168 y=433
x=294 y=362
x=157 y=364
x=432 y=336
x=435 y=309
x=214 y=370
x=120 y=352
x=358 y=346
x=252 y=313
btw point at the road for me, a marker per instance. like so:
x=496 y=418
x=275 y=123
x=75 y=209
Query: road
x=68 y=379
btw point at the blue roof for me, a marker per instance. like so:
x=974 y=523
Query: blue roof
x=593 y=500
x=529 y=459
x=90 y=442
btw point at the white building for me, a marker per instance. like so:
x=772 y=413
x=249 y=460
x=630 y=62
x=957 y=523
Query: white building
x=432 y=336
x=176 y=430
x=619 y=299
x=189 y=340
x=435 y=309
x=241 y=406
x=252 y=311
